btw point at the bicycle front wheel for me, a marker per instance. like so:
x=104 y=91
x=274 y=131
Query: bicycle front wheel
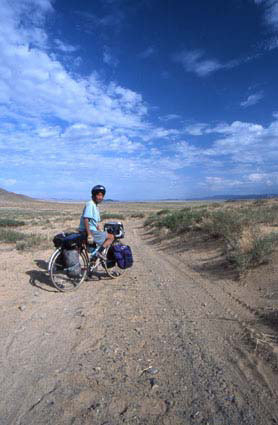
x=59 y=276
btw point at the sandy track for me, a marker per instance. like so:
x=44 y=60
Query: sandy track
x=161 y=345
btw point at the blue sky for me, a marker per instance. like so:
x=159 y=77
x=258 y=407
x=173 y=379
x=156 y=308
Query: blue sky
x=152 y=98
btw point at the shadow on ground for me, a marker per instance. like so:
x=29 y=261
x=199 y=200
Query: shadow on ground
x=211 y=260
x=40 y=278
x=270 y=319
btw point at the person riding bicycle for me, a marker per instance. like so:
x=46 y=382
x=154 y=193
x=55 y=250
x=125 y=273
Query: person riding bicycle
x=90 y=219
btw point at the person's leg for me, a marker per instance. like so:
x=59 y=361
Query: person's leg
x=104 y=239
x=108 y=241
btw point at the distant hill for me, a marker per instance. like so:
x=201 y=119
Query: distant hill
x=223 y=197
x=235 y=197
x=5 y=195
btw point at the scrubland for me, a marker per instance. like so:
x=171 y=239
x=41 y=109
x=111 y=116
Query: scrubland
x=187 y=335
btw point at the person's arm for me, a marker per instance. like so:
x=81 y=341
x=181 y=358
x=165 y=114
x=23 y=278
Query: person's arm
x=87 y=226
x=88 y=231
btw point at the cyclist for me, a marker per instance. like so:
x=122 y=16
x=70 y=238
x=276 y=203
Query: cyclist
x=90 y=219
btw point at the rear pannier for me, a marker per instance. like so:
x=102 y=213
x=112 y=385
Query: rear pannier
x=71 y=261
x=70 y=244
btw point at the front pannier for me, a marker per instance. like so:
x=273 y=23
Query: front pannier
x=111 y=260
x=123 y=255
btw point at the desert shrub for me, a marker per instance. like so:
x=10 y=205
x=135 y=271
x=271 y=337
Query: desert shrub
x=150 y=220
x=259 y=202
x=9 y=222
x=116 y=216
x=163 y=211
x=22 y=240
x=11 y=236
x=137 y=215
x=263 y=214
x=176 y=221
x=258 y=253
x=31 y=241
x=227 y=225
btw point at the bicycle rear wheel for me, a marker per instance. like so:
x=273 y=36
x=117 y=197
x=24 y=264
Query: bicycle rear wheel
x=59 y=276
x=111 y=267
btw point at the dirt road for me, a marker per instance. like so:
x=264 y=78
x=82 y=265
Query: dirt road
x=161 y=345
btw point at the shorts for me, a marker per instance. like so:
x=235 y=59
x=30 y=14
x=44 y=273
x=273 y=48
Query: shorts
x=99 y=237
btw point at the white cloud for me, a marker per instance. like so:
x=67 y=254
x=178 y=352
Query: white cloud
x=148 y=52
x=35 y=84
x=62 y=130
x=63 y=47
x=195 y=61
x=169 y=117
x=270 y=8
x=196 y=129
x=109 y=58
x=271 y=12
x=69 y=124
x=8 y=182
x=251 y=100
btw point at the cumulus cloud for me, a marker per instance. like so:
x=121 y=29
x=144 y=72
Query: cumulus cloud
x=60 y=130
x=69 y=124
x=36 y=84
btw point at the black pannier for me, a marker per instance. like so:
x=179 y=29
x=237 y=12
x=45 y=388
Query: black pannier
x=69 y=240
x=116 y=228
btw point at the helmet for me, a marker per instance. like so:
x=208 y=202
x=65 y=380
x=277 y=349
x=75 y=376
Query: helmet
x=98 y=188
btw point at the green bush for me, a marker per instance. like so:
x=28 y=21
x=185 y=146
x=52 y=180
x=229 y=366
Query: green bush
x=163 y=211
x=137 y=215
x=22 y=240
x=227 y=225
x=150 y=220
x=176 y=221
x=115 y=216
x=8 y=236
x=9 y=222
x=259 y=202
x=31 y=241
x=259 y=253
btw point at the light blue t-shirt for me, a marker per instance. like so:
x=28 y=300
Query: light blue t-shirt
x=91 y=212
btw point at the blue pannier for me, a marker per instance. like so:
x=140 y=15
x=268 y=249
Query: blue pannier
x=123 y=255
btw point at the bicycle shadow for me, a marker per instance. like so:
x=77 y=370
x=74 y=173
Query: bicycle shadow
x=40 y=278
